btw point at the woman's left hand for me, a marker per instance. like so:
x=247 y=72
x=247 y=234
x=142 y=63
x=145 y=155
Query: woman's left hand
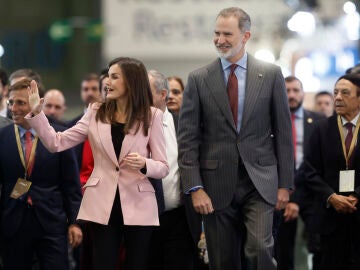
x=35 y=101
x=135 y=161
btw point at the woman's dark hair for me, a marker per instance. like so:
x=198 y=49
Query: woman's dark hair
x=139 y=96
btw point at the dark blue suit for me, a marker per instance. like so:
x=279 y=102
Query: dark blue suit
x=56 y=196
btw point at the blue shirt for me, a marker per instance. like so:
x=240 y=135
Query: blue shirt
x=299 y=126
x=22 y=132
x=240 y=73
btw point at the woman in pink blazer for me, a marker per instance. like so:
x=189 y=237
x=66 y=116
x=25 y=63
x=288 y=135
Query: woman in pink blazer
x=127 y=141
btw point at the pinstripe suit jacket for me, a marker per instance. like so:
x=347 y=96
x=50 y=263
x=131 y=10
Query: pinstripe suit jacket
x=210 y=148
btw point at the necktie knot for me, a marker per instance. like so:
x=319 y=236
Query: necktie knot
x=27 y=135
x=232 y=68
x=349 y=126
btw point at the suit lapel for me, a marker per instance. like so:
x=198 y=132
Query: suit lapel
x=104 y=131
x=308 y=125
x=216 y=84
x=129 y=141
x=254 y=79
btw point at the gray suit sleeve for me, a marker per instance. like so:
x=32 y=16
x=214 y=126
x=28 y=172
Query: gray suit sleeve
x=282 y=132
x=189 y=136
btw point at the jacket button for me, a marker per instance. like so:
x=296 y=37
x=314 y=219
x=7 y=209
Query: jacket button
x=117 y=169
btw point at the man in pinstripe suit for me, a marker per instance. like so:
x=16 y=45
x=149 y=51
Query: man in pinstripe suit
x=236 y=167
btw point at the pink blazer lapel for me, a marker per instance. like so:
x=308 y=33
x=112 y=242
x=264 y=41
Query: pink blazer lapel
x=106 y=140
x=129 y=141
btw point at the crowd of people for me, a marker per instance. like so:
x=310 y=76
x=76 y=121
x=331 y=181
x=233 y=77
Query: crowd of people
x=152 y=172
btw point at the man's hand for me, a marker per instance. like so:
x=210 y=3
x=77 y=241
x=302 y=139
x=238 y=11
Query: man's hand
x=282 y=198
x=75 y=235
x=355 y=200
x=34 y=99
x=343 y=204
x=201 y=202
x=291 y=211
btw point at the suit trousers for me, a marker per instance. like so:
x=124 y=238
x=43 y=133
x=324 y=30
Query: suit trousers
x=107 y=241
x=50 y=249
x=285 y=243
x=172 y=246
x=341 y=248
x=240 y=235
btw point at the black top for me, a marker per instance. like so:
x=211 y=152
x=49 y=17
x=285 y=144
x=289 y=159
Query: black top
x=117 y=134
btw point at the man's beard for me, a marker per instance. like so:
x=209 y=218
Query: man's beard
x=294 y=109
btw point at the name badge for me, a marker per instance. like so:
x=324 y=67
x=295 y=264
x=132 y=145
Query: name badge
x=347 y=181
x=21 y=187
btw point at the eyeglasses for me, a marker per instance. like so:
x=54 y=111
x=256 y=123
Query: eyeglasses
x=11 y=102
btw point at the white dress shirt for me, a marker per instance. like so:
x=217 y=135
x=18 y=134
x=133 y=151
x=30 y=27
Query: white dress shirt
x=171 y=183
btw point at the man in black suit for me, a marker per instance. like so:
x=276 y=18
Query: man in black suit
x=40 y=219
x=4 y=121
x=301 y=201
x=332 y=167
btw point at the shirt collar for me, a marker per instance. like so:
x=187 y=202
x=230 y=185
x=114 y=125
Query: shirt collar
x=299 y=113
x=23 y=130
x=166 y=117
x=354 y=121
x=242 y=62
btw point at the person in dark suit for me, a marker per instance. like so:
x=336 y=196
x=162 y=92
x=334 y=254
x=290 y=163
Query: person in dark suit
x=4 y=121
x=41 y=220
x=301 y=200
x=332 y=167
x=236 y=154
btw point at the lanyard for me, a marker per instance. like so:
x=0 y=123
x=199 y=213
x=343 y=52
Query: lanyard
x=21 y=152
x=353 y=141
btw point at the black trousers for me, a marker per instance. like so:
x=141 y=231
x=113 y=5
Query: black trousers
x=31 y=240
x=107 y=240
x=285 y=243
x=172 y=246
x=341 y=248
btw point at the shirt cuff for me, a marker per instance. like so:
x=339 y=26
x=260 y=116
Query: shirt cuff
x=327 y=201
x=193 y=189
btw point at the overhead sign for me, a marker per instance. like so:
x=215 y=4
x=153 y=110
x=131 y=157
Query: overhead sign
x=175 y=28
x=61 y=31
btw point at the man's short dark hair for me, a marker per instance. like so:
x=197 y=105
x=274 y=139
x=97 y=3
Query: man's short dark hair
x=4 y=78
x=323 y=93
x=354 y=78
x=31 y=75
x=292 y=78
x=353 y=70
x=91 y=77
x=20 y=85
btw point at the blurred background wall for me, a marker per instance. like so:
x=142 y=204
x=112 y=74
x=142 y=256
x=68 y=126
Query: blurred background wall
x=317 y=40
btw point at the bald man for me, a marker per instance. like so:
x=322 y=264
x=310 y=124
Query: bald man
x=54 y=104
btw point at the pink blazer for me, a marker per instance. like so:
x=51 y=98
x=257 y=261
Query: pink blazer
x=137 y=195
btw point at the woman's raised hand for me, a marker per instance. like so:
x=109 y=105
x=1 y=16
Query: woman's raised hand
x=34 y=99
